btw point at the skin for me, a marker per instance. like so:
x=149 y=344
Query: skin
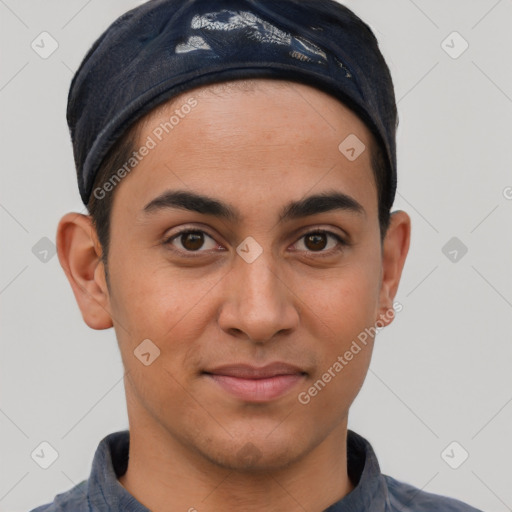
x=255 y=150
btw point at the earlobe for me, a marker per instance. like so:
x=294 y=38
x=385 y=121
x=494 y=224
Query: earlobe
x=394 y=252
x=80 y=256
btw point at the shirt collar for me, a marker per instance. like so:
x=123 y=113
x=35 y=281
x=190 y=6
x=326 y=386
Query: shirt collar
x=370 y=493
x=106 y=494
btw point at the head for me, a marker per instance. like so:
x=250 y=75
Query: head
x=304 y=300
x=244 y=235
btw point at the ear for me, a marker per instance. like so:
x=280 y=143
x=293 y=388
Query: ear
x=79 y=254
x=394 y=251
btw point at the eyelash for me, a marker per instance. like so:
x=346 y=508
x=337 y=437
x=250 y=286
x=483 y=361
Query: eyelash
x=195 y=254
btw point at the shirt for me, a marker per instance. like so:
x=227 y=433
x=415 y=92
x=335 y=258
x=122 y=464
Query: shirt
x=373 y=491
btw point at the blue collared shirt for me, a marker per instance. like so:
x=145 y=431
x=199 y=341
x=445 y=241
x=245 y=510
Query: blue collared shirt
x=102 y=492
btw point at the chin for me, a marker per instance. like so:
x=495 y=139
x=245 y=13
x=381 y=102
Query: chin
x=254 y=453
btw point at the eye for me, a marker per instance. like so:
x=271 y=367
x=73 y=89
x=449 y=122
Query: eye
x=191 y=240
x=316 y=241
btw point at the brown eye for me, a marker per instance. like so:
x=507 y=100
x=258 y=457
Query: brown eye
x=318 y=242
x=191 y=241
x=315 y=241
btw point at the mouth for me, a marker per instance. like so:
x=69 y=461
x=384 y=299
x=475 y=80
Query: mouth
x=256 y=384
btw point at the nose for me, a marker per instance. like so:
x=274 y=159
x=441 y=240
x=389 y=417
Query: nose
x=259 y=301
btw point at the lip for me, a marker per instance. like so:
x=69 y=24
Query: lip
x=256 y=384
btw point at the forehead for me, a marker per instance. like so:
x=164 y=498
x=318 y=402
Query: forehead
x=260 y=138
x=279 y=99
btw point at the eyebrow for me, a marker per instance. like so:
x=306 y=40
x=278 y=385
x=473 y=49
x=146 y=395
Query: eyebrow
x=305 y=207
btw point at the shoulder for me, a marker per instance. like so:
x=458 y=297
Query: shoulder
x=406 y=498
x=74 y=500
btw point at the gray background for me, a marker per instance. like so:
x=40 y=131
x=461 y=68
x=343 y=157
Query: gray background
x=440 y=372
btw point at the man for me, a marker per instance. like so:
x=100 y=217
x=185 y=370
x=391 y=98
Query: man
x=238 y=163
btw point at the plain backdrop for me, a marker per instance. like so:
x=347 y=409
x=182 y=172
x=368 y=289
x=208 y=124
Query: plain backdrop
x=440 y=373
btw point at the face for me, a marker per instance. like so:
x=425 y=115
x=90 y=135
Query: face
x=250 y=288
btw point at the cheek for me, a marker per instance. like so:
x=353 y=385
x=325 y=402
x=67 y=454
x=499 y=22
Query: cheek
x=167 y=305
x=345 y=310
x=345 y=344
x=347 y=302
